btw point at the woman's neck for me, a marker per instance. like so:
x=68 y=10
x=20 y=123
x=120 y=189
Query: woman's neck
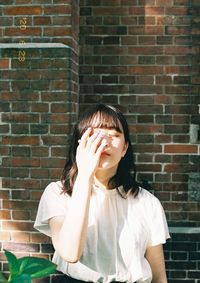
x=102 y=178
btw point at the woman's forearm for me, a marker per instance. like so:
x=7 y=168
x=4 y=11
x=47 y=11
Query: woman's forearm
x=73 y=233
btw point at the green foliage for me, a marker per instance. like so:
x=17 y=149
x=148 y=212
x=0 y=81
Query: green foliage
x=24 y=269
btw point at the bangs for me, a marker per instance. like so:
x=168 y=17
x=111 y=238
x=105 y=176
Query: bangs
x=105 y=118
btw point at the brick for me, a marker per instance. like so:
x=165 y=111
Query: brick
x=177 y=30
x=52 y=163
x=163 y=178
x=163 y=138
x=21 y=140
x=99 y=11
x=153 y=30
x=39 y=173
x=61 y=20
x=39 y=151
x=166 y=60
x=4 y=236
x=22 y=162
x=25 y=183
x=55 y=173
x=147 y=20
x=163 y=119
x=120 y=30
x=57 y=31
x=145 y=70
x=148 y=148
x=17 y=247
x=178 y=50
x=154 y=10
x=176 y=10
x=180 y=148
x=57 y=9
x=146 y=60
x=21 y=226
x=180 y=178
x=55 y=118
x=165 y=20
x=128 y=20
x=145 y=158
x=165 y=40
x=128 y=2
x=4 y=63
x=145 y=99
x=20 y=172
x=58 y=151
x=107 y=70
x=164 y=3
x=20 y=237
x=5 y=21
x=147 y=40
x=178 y=168
x=20 y=215
x=39 y=238
x=23 y=10
x=136 y=10
x=144 y=79
x=5 y=214
x=145 y=139
x=176 y=129
x=180 y=138
x=163 y=80
x=128 y=60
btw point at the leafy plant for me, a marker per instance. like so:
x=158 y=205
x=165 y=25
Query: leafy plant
x=24 y=269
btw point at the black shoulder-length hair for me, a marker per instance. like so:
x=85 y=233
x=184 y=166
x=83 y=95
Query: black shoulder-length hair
x=102 y=116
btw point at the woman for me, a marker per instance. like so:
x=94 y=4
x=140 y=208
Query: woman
x=103 y=225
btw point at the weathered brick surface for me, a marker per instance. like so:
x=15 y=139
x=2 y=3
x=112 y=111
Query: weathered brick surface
x=41 y=21
x=37 y=112
x=39 y=96
x=145 y=54
x=140 y=55
x=182 y=256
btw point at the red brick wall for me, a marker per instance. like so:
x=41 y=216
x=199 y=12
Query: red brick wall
x=143 y=56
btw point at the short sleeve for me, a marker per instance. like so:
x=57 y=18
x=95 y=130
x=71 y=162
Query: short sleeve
x=52 y=203
x=159 y=231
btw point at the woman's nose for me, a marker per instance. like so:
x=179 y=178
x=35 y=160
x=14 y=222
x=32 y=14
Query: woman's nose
x=106 y=137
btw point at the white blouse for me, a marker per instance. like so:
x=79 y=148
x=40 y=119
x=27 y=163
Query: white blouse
x=119 y=232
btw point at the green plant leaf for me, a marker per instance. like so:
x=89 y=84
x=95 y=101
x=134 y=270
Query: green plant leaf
x=22 y=278
x=12 y=263
x=2 y=278
x=36 y=267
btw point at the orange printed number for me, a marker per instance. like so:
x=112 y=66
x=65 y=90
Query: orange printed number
x=22 y=55
x=23 y=23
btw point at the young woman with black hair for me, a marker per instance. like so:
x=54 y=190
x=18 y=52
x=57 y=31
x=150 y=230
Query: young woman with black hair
x=104 y=226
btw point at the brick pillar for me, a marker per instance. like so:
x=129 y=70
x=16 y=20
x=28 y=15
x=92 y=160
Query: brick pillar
x=39 y=104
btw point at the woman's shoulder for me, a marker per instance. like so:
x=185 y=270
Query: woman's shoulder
x=147 y=198
x=55 y=189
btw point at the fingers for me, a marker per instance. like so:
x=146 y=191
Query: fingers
x=94 y=142
x=101 y=148
x=84 y=137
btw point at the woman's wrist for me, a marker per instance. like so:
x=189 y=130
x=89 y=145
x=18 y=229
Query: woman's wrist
x=84 y=179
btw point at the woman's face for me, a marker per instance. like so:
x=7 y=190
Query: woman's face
x=115 y=149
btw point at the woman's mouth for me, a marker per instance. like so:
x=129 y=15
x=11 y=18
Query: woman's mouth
x=105 y=153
